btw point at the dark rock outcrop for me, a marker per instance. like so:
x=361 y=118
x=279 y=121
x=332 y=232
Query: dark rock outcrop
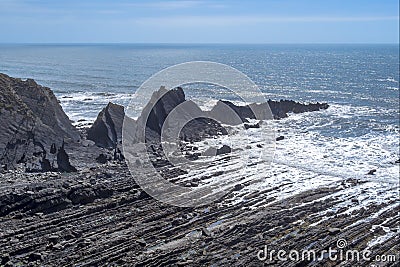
x=264 y=111
x=249 y=126
x=118 y=155
x=169 y=111
x=5 y=258
x=205 y=123
x=87 y=194
x=34 y=200
x=166 y=102
x=212 y=151
x=200 y=128
x=44 y=104
x=224 y=150
x=82 y=195
x=102 y=158
x=63 y=164
x=51 y=198
x=243 y=112
x=106 y=131
x=56 y=161
x=280 y=109
x=32 y=120
x=35 y=256
x=155 y=113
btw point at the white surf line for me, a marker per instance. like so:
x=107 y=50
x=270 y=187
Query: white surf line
x=362 y=177
x=345 y=197
x=318 y=173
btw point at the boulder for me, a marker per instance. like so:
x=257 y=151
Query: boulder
x=224 y=150
x=54 y=239
x=4 y=258
x=88 y=143
x=82 y=195
x=102 y=158
x=63 y=164
x=238 y=187
x=333 y=231
x=212 y=151
x=35 y=256
x=249 y=126
x=102 y=191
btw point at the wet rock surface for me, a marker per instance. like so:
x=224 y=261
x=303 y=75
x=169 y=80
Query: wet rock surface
x=73 y=220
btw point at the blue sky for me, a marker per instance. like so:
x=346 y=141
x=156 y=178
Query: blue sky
x=199 y=21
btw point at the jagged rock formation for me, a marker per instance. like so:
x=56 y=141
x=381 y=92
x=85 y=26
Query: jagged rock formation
x=280 y=109
x=268 y=110
x=106 y=131
x=56 y=161
x=166 y=102
x=194 y=122
x=100 y=216
x=32 y=120
x=63 y=164
x=206 y=123
x=36 y=126
x=244 y=112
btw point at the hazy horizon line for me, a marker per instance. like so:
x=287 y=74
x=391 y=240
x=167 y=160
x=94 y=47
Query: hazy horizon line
x=196 y=43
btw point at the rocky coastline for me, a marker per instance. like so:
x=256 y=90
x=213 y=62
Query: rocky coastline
x=68 y=199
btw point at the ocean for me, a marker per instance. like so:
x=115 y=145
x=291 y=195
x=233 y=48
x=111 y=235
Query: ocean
x=359 y=132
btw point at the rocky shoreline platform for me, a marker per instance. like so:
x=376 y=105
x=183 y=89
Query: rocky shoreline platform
x=68 y=198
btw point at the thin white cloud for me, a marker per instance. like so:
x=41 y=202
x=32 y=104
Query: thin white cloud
x=240 y=20
x=27 y=8
x=183 y=4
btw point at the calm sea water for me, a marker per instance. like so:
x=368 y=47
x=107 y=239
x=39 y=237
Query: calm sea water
x=361 y=82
